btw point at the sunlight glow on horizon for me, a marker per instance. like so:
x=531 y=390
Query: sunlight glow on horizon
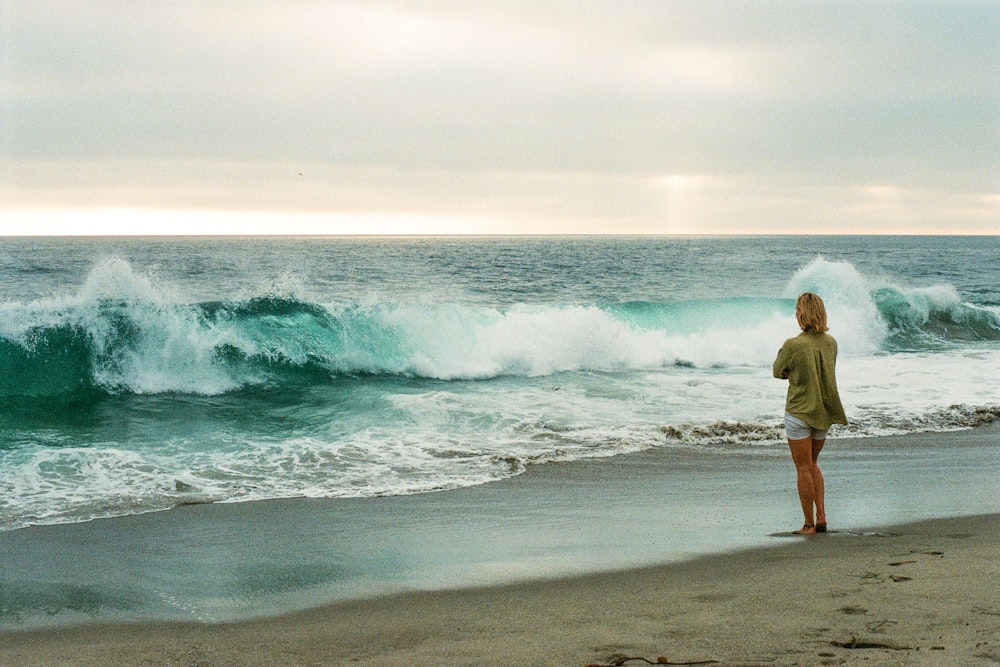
x=198 y=222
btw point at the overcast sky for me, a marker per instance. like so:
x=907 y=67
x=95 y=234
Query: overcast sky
x=555 y=116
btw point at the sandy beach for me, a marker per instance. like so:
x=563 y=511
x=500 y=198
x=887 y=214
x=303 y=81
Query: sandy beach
x=926 y=593
x=922 y=592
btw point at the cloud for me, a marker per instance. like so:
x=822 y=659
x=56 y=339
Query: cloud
x=435 y=106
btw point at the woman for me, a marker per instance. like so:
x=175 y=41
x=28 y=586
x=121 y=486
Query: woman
x=808 y=362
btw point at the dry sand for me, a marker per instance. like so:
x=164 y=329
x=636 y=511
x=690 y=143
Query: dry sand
x=920 y=594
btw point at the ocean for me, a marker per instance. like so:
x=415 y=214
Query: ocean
x=139 y=374
x=209 y=429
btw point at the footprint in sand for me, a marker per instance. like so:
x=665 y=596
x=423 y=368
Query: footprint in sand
x=853 y=611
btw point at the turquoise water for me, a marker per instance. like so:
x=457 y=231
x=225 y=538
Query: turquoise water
x=139 y=374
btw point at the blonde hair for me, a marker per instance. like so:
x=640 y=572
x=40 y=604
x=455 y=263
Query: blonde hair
x=810 y=312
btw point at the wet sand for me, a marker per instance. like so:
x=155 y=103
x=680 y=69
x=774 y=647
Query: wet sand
x=926 y=593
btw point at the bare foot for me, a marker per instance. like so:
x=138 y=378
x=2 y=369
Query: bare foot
x=807 y=529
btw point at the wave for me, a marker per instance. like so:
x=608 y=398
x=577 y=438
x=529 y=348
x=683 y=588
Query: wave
x=892 y=318
x=122 y=334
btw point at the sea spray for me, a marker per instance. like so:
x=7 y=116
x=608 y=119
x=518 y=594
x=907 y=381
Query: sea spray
x=853 y=317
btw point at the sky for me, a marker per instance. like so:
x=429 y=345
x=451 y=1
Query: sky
x=499 y=117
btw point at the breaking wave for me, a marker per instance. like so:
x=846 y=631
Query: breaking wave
x=122 y=334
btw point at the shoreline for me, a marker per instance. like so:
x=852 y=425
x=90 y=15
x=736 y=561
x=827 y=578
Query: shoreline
x=581 y=562
x=920 y=593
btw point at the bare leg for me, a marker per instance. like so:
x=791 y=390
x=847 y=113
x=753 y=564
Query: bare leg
x=818 y=484
x=802 y=457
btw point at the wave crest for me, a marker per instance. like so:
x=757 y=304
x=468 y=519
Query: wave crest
x=123 y=333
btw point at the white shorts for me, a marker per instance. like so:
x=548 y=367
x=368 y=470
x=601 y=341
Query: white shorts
x=796 y=429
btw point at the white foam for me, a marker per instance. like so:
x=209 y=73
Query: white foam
x=852 y=315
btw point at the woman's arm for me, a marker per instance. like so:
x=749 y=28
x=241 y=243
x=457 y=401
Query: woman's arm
x=780 y=369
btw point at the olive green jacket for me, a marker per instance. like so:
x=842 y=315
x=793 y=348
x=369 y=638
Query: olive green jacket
x=809 y=361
